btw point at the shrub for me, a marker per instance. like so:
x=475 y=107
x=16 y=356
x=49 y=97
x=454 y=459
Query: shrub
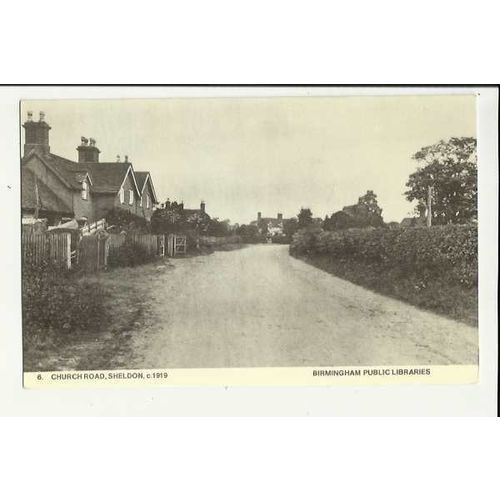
x=282 y=239
x=449 y=251
x=129 y=254
x=55 y=302
x=434 y=268
x=122 y=220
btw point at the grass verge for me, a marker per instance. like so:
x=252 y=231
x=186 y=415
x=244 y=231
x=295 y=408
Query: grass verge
x=435 y=294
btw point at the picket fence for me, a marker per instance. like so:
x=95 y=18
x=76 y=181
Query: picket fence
x=46 y=248
x=90 y=252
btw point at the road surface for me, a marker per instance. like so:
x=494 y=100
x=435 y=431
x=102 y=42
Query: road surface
x=259 y=307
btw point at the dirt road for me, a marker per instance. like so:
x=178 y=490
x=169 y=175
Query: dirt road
x=260 y=307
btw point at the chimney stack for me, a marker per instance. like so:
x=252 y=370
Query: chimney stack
x=202 y=207
x=126 y=159
x=259 y=216
x=87 y=151
x=36 y=134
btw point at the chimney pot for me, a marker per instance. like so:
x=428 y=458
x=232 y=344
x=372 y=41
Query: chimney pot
x=117 y=158
x=42 y=116
x=84 y=140
x=92 y=141
x=30 y=116
x=126 y=159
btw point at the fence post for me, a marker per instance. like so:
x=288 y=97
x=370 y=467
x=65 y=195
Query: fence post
x=68 y=250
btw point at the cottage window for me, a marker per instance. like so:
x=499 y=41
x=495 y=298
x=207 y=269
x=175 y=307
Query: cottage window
x=85 y=190
x=130 y=197
x=122 y=196
x=140 y=201
x=147 y=201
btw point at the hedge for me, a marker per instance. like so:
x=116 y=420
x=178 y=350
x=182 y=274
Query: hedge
x=448 y=252
x=55 y=301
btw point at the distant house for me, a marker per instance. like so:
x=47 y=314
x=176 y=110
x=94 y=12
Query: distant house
x=274 y=226
x=198 y=213
x=57 y=188
x=413 y=222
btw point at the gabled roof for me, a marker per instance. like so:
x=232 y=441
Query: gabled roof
x=47 y=199
x=105 y=177
x=109 y=177
x=70 y=173
x=142 y=178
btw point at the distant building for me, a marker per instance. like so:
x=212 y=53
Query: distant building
x=274 y=226
x=57 y=188
x=413 y=222
x=196 y=212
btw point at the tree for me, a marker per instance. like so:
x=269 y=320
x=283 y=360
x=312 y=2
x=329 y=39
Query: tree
x=249 y=233
x=169 y=219
x=366 y=213
x=338 y=220
x=304 y=218
x=290 y=226
x=450 y=169
x=216 y=227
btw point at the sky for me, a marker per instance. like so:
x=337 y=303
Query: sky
x=244 y=155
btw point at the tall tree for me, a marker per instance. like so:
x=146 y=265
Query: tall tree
x=304 y=218
x=450 y=169
x=366 y=213
x=290 y=226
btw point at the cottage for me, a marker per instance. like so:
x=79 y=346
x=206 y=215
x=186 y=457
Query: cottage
x=270 y=225
x=196 y=213
x=57 y=188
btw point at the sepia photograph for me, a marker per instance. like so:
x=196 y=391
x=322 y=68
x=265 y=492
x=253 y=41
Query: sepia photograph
x=335 y=233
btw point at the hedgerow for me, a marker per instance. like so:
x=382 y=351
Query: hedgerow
x=56 y=302
x=435 y=267
x=130 y=254
x=441 y=250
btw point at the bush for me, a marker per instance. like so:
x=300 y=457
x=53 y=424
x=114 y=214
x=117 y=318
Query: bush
x=435 y=267
x=122 y=220
x=449 y=251
x=281 y=239
x=56 y=302
x=129 y=254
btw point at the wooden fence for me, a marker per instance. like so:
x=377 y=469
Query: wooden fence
x=42 y=247
x=90 y=252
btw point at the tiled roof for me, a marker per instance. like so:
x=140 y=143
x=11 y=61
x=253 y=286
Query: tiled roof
x=47 y=199
x=107 y=177
x=71 y=171
x=141 y=177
